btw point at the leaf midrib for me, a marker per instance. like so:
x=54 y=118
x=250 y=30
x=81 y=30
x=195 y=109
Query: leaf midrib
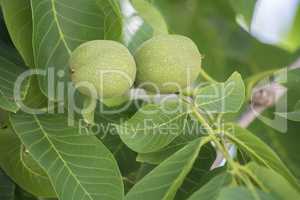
x=238 y=141
x=160 y=125
x=218 y=99
x=60 y=32
x=60 y=157
x=27 y=167
x=286 y=171
x=190 y=163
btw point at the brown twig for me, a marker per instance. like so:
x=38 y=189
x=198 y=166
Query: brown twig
x=263 y=98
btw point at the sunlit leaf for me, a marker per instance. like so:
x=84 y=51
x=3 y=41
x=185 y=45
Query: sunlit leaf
x=79 y=166
x=20 y=166
x=222 y=97
x=153 y=127
x=192 y=130
x=60 y=26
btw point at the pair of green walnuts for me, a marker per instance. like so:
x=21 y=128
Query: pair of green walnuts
x=164 y=64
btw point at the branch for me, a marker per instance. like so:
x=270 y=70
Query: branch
x=262 y=99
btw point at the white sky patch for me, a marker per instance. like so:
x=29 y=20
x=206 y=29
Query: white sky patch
x=133 y=22
x=272 y=19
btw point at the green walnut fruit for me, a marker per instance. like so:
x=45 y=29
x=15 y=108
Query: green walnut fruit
x=167 y=63
x=106 y=65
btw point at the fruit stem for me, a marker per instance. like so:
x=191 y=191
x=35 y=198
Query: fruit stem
x=212 y=133
x=88 y=112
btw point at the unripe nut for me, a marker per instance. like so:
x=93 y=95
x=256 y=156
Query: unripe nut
x=105 y=65
x=167 y=63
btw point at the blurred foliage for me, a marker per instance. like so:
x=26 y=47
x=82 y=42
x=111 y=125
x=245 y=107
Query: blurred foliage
x=285 y=144
x=244 y=10
x=226 y=47
x=289 y=39
x=292 y=42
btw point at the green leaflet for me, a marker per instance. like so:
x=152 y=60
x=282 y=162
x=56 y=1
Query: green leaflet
x=113 y=22
x=212 y=189
x=17 y=15
x=192 y=130
x=10 y=68
x=20 y=166
x=225 y=97
x=164 y=181
x=153 y=127
x=7 y=187
x=274 y=182
x=261 y=152
x=78 y=165
x=59 y=26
